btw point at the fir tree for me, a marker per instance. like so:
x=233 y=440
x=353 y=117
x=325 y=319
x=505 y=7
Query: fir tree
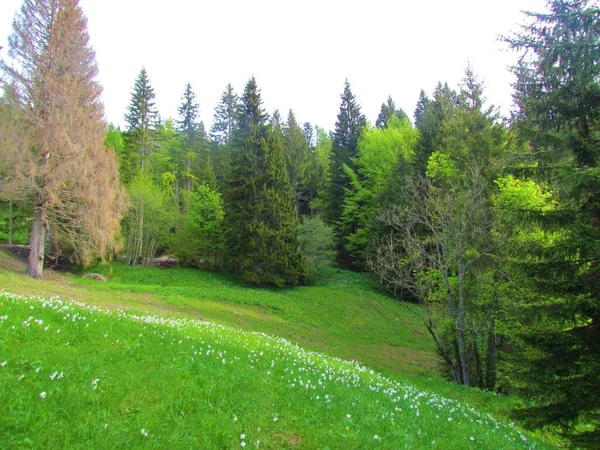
x=309 y=135
x=259 y=219
x=558 y=99
x=224 y=117
x=142 y=118
x=430 y=116
x=297 y=158
x=188 y=125
x=389 y=110
x=188 y=113
x=221 y=134
x=348 y=130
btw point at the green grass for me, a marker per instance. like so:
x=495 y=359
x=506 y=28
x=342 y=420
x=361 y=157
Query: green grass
x=345 y=317
x=111 y=379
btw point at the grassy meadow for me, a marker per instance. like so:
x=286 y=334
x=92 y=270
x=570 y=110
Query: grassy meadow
x=185 y=359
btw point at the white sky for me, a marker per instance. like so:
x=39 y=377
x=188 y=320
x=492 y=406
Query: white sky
x=299 y=52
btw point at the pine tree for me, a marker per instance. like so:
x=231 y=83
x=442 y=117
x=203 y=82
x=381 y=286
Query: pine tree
x=348 y=130
x=188 y=125
x=259 y=219
x=142 y=118
x=389 y=110
x=59 y=164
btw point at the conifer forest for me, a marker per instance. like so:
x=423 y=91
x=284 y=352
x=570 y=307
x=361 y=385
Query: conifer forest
x=485 y=227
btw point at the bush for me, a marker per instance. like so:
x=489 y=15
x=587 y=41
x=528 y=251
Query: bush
x=199 y=243
x=317 y=243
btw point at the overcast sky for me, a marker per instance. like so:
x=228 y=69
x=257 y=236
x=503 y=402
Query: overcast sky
x=299 y=52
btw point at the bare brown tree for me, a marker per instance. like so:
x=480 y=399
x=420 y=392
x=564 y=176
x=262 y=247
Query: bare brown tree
x=56 y=160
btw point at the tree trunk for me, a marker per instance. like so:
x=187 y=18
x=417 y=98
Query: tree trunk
x=35 y=262
x=492 y=351
x=10 y=223
x=461 y=328
x=478 y=372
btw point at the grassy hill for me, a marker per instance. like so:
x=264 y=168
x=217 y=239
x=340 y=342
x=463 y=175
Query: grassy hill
x=188 y=383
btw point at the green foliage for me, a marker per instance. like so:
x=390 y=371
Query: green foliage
x=379 y=152
x=259 y=206
x=142 y=119
x=147 y=226
x=319 y=173
x=114 y=140
x=552 y=224
x=297 y=161
x=441 y=168
x=199 y=243
x=192 y=139
x=317 y=244
x=389 y=110
x=348 y=130
x=430 y=116
x=15 y=231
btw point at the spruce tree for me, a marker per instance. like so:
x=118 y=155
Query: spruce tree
x=430 y=117
x=259 y=215
x=309 y=135
x=389 y=110
x=141 y=118
x=221 y=133
x=558 y=99
x=297 y=159
x=189 y=127
x=224 y=117
x=283 y=262
x=348 y=130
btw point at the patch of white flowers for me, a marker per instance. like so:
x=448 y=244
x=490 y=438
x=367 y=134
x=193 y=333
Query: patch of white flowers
x=297 y=368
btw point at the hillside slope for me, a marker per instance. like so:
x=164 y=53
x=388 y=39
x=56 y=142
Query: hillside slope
x=79 y=376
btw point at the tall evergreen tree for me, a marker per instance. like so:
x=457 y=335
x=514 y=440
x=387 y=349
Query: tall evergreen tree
x=224 y=117
x=188 y=125
x=389 y=110
x=221 y=134
x=348 y=130
x=297 y=159
x=259 y=219
x=430 y=115
x=558 y=99
x=309 y=135
x=141 y=118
